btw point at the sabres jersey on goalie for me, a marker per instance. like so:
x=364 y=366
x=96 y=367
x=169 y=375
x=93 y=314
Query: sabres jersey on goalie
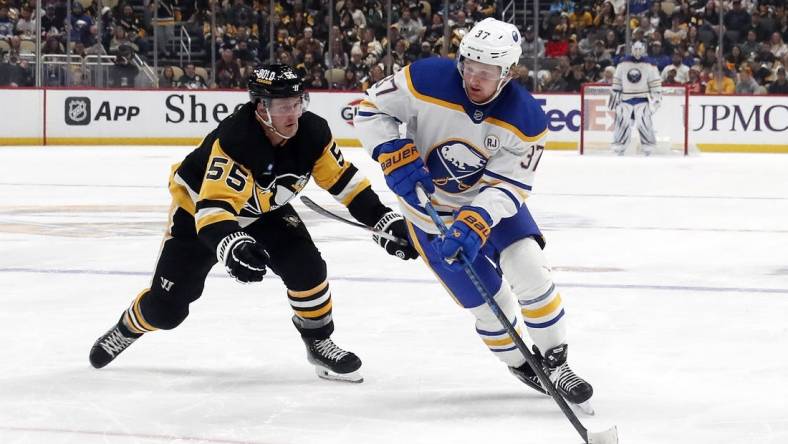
x=236 y=176
x=479 y=155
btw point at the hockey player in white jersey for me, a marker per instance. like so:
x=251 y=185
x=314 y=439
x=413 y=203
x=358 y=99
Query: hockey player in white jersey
x=635 y=96
x=474 y=139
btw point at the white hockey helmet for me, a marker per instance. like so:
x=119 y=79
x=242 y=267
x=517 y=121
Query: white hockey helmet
x=492 y=42
x=638 y=50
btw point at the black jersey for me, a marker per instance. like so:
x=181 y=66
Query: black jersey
x=236 y=176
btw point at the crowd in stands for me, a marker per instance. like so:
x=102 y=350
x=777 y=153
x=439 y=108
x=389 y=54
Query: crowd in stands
x=575 y=42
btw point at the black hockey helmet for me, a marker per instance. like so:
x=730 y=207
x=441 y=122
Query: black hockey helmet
x=274 y=81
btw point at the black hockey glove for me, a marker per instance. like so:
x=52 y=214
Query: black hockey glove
x=393 y=223
x=243 y=258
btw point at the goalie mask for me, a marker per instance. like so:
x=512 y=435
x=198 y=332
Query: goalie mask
x=638 y=50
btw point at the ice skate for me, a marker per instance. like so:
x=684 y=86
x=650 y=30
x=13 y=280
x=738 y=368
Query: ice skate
x=527 y=375
x=111 y=344
x=572 y=387
x=331 y=362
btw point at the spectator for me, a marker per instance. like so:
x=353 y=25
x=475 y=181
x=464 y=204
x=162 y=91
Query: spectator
x=337 y=57
x=557 y=46
x=120 y=39
x=306 y=67
x=695 y=84
x=575 y=78
x=736 y=21
x=135 y=31
x=308 y=44
x=607 y=75
x=778 y=46
x=409 y=27
x=720 y=83
x=167 y=79
x=780 y=85
x=592 y=70
x=228 y=72
x=533 y=46
x=677 y=32
x=660 y=58
x=6 y=25
x=80 y=24
x=682 y=70
x=25 y=27
x=351 y=81
x=746 y=84
x=190 y=79
x=123 y=73
x=426 y=51
x=750 y=46
x=357 y=64
x=399 y=56
x=435 y=29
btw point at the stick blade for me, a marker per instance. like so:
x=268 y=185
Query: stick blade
x=609 y=436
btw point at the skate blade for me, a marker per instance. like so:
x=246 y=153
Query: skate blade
x=324 y=373
x=609 y=436
x=585 y=407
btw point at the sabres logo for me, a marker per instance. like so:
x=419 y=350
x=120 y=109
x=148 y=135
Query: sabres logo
x=634 y=75
x=455 y=166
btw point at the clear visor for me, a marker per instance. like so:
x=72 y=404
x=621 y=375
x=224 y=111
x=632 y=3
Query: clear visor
x=477 y=70
x=287 y=106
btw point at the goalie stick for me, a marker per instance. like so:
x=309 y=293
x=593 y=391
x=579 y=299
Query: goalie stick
x=609 y=436
x=312 y=205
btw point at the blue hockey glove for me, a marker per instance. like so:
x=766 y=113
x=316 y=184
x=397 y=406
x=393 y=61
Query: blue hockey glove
x=468 y=233
x=403 y=168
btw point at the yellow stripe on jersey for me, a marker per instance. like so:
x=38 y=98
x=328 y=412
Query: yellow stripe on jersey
x=347 y=197
x=180 y=193
x=430 y=99
x=308 y=293
x=554 y=305
x=329 y=166
x=367 y=103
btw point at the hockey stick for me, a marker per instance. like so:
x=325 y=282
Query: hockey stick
x=312 y=205
x=609 y=436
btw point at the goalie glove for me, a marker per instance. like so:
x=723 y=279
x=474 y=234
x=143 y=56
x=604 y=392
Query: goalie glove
x=393 y=223
x=243 y=258
x=615 y=99
x=654 y=104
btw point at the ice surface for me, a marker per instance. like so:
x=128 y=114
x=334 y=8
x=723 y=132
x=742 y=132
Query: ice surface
x=674 y=272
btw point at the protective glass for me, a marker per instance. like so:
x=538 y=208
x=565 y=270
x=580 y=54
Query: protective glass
x=480 y=71
x=287 y=106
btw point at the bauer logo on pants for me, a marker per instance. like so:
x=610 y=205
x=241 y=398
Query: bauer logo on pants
x=77 y=111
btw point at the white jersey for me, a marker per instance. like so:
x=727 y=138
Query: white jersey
x=637 y=79
x=478 y=155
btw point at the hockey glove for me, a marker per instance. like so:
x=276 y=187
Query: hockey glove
x=403 y=169
x=393 y=223
x=468 y=233
x=243 y=258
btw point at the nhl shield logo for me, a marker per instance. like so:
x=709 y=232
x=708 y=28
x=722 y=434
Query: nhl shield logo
x=455 y=165
x=77 y=110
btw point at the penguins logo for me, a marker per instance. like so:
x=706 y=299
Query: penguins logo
x=456 y=166
x=634 y=75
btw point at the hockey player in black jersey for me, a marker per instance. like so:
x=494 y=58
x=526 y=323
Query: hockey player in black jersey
x=230 y=205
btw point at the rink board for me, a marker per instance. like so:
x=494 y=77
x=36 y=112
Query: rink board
x=183 y=117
